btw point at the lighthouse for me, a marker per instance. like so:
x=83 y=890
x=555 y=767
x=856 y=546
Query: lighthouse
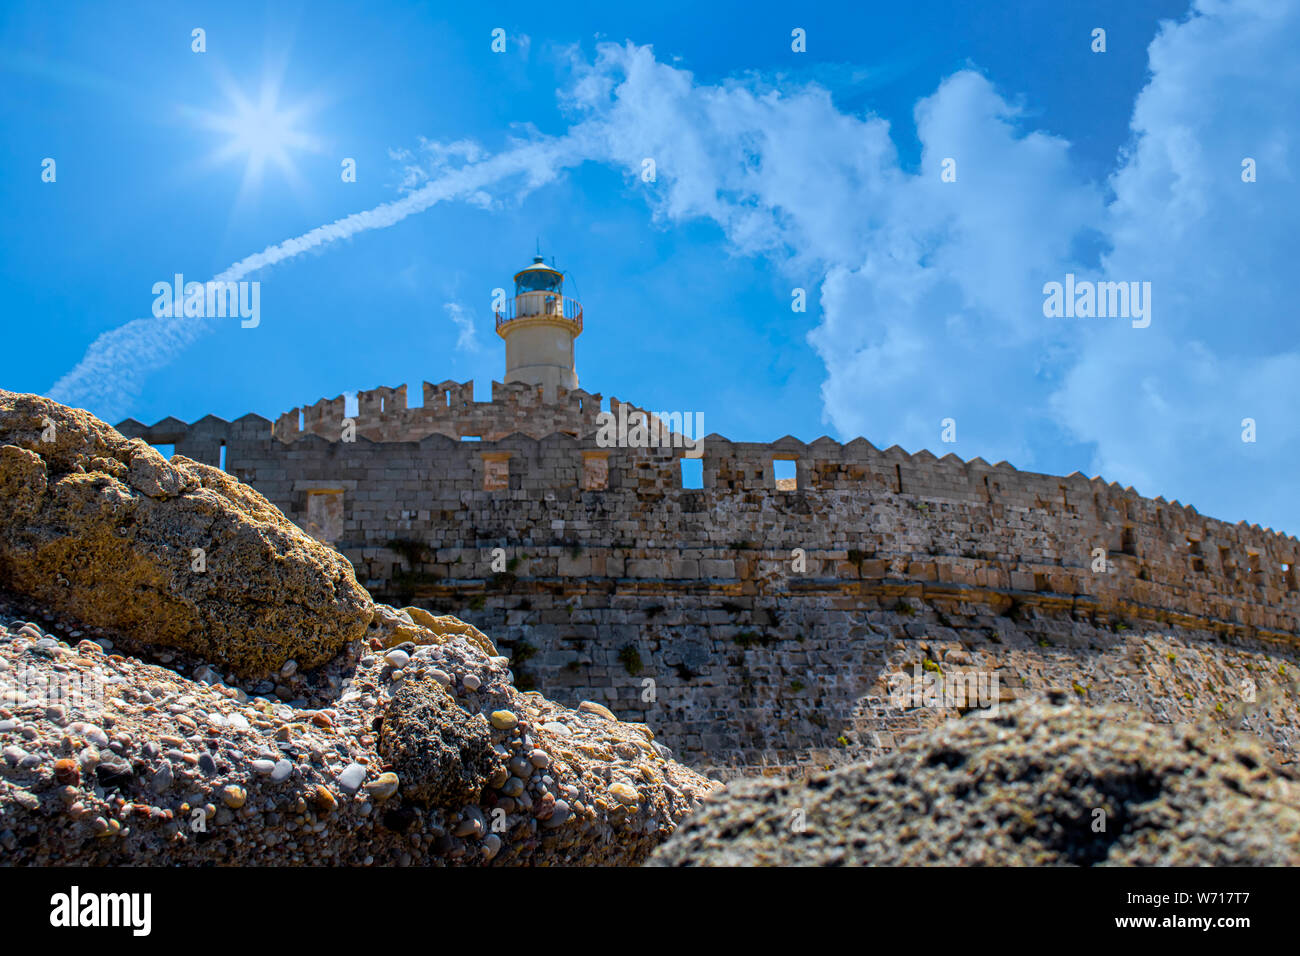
x=539 y=325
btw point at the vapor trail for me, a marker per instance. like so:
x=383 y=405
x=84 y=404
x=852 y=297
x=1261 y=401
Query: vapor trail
x=111 y=373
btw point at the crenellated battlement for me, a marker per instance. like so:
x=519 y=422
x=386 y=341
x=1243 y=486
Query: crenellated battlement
x=516 y=515
x=765 y=611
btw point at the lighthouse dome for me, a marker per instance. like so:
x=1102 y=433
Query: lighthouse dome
x=538 y=277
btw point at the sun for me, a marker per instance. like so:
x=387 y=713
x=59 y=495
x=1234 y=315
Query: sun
x=262 y=132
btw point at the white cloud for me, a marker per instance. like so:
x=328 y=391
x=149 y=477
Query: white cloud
x=1164 y=405
x=932 y=291
x=467 y=336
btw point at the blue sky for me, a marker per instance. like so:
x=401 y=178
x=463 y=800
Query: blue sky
x=775 y=170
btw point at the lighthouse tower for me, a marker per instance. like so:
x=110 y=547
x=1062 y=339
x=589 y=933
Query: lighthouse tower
x=539 y=326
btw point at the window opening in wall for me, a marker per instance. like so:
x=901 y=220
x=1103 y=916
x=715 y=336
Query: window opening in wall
x=302 y=420
x=496 y=472
x=448 y=394
x=1225 y=561
x=1127 y=544
x=1288 y=575
x=324 y=520
x=595 y=472
x=1194 y=547
x=221 y=459
x=692 y=472
x=786 y=474
x=351 y=404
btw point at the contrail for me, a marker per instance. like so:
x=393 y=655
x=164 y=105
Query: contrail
x=110 y=375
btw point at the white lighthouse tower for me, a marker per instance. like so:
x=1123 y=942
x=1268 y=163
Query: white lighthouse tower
x=539 y=326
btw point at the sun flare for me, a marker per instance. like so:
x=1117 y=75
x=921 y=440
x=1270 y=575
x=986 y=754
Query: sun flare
x=263 y=132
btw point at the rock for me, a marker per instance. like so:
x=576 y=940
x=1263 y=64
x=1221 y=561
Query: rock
x=263 y=767
x=102 y=529
x=397 y=658
x=384 y=787
x=600 y=710
x=322 y=799
x=624 y=793
x=67 y=772
x=540 y=759
x=162 y=778
x=491 y=846
x=504 y=720
x=471 y=682
x=1021 y=788
x=352 y=777
x=560 y=813
x=555 y=727
x=447 y=627
x=521 y=766
x=234 y=796
x=113 y=772
x=282 y=770
x=442 y=753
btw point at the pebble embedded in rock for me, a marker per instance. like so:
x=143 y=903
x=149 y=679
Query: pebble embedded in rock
x=352 y=777
x=471 y=682
x=504 y=720
x=66 y=771
x=264 y=767
x=555 y=727
x=540 y=759
x=323 y=799
x=384 y=787
x=600 y=710
x=560 y=814
x=281 y=771
x=234 y=796
x=624 y=793
x=398 y=659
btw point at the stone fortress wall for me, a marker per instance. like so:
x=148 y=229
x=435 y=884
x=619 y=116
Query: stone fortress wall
x=690 y=609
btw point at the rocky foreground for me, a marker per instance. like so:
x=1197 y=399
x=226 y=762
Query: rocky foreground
x=1042 y=783
x=187 y=678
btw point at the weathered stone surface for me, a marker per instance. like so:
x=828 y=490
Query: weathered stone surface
x=176 y=554
x=392 y=627
x=442 y=753
x=770 y=661
x=1021 y=788
x=312 y=812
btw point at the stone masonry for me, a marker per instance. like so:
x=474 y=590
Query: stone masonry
x=744 y=622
